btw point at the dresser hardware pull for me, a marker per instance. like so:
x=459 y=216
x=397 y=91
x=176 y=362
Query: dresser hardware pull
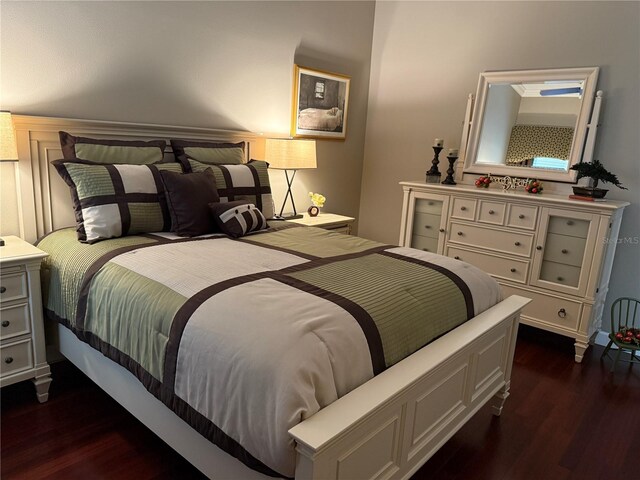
x=569 y=222
x=513 y=270
x=539 y=247
x=441 y=230
x=521 y=216
x=517 y=244
x=564 y=250
x=425 y=249
x=427 y=226
x=561 y=279
x=429 y=203
x=6 y=323
x=457 y=257
x=463 y=208
x=491 y=212
x=3 y=289
x=562 y=313
x=8 y=360
x=460 y=233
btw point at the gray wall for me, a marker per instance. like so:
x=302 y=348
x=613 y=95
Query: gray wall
x=206 y=64
x=426 y=59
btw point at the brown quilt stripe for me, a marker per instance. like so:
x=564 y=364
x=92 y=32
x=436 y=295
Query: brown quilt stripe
x=275 y=247
x=125 y=214
x=258 y=189
x=195 y=419
x=464 y=288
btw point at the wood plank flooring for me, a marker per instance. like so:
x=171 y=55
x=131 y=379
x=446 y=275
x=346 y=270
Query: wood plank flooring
x=562 y=421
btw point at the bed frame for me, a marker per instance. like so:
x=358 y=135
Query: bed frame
x=384 y=429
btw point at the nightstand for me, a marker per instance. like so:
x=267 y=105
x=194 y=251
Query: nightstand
x=328 y=221
x=22 y=346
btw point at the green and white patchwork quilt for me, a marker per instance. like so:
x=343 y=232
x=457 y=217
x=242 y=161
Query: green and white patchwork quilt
x=244 y=338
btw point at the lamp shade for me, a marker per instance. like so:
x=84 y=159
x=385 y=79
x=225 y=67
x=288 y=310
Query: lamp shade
x=8 y=146
x=290 y=154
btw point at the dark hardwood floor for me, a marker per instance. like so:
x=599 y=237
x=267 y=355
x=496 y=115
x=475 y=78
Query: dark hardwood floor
x=562 y=421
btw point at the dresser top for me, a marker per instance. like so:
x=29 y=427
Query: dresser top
x=543 y=199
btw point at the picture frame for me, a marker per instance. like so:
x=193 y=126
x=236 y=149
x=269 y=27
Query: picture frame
x=320 y=104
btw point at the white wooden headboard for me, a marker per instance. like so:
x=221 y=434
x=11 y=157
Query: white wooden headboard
x=45 y=202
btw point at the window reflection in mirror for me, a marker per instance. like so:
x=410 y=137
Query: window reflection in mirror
x=530 y=124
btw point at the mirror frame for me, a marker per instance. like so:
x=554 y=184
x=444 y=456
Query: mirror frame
x=590 y=77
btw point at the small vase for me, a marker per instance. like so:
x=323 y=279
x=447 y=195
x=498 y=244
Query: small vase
x=313 y=211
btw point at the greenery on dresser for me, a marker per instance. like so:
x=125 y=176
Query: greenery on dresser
x=597 y=173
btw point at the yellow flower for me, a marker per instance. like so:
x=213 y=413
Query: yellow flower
x=317 y=199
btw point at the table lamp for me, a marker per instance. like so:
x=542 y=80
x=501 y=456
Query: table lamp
x=288 y=154
x=8 y=146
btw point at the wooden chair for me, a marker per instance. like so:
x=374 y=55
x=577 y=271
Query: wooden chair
x=625 y=315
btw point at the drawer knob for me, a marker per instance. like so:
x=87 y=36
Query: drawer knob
x=562 y=313
x=8 y=360
x=517 y=244
x=441 y=230
x=564 y=250
x=6 y=323
x=460 y=234
x=427 y=226
x=521 y=216
x=463 y=208
x=561 y=279
x=429 y=203
x=539 y=247
x=491 y=212
x=569 y=222
x=425 y=249
x=3 y=289
x=513 y=270
x=457 y=257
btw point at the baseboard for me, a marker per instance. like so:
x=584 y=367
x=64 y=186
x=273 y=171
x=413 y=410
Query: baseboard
x=602 y=338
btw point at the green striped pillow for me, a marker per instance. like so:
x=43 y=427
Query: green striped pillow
x=116 y=200
x=104 y=151
x=211 y=153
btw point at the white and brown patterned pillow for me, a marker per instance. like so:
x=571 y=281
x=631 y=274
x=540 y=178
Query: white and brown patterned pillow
x=116 y=200
x=249 y=182
x=238 y=218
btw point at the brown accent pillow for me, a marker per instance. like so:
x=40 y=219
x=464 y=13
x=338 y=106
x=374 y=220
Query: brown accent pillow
x=211 y=153
x=111 y=151
x=188 y=197
x=238 y=218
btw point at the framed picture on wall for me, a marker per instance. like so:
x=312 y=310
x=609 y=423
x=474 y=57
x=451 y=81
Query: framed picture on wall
x=320 y=104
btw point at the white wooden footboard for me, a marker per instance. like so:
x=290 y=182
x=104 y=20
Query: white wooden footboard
x=390 y=426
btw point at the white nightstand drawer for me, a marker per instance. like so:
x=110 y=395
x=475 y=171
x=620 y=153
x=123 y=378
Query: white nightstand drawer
x=16 y=357
x=14 y=321
x=13 y=287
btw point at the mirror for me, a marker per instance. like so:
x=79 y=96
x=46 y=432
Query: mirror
x=531 y=123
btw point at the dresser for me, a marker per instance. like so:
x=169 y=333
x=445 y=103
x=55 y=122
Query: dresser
x=22 y=345
x=556 y=251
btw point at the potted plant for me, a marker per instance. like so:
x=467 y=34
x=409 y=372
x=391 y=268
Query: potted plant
x=597 y=173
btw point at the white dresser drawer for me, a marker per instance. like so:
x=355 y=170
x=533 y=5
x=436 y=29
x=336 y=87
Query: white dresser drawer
x=13 y=286
x=560 y=273
x=564 y=249
x=510 y=269
x=548 y=309
x=491 y=239
x=568 y=226
x=14 y=321
x=426 y=224
x=16 y=357
x=522 y=216
x=492 y=212
x=463 y=208
x=427 y=244
x=428 y=205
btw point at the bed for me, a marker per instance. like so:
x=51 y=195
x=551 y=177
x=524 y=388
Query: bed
x=320 y=119
x=363 y=426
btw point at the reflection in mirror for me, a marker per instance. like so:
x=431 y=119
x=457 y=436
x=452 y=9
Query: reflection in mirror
x=531 y=123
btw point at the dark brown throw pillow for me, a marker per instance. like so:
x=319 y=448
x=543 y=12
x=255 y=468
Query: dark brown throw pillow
x=238 y=218
x=188 y=197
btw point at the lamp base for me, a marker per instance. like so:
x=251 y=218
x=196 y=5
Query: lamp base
x=291 y=216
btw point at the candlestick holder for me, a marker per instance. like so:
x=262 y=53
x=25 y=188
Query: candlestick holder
x=450 y=171
x=433 y=174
